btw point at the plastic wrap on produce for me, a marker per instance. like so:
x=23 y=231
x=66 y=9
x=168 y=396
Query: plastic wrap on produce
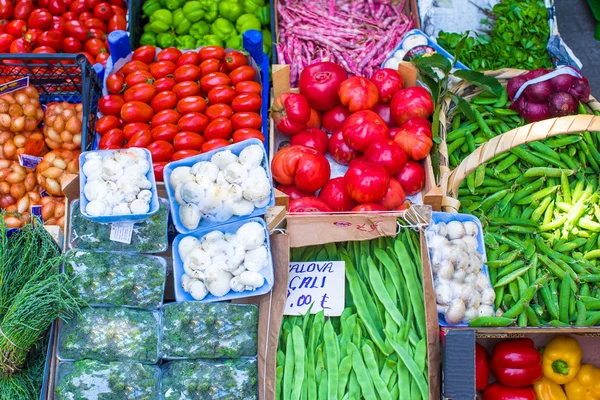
x=210 y=380
x=199 y=330
x=104 y=278
x=111 y=334
x=148 y=236
x=466 y=15
x=90 y=379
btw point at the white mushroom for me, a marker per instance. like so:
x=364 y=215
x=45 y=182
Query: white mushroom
x=258 y=171
x=198 y=290
x=121 y=209
x=139 y=206
x=455 y=312
x=256 y=259
x=205 y=173
x=125 y=158
x=93 y=156
x=223 y=158
x=256 y=188
x=95 y=189
x=251 y=156
x=470 y=228
x=92 y=168
x=145 y=195
x=236 y=173
x=186 y=245
x=180 y=175
x=251 y=235
x=111 y=170
x=221 y=179
x=488 y=295
x=96 y=208
x=186 y=281
x=190 y=192
x=470 y=314
x=252 y=280
x=197 y=260
x=190 y=216
x=114 y=198
x=456 y=230
x=262 y=203
x=485 y=310
x=236 y=285
x=217 y=281
x=240 y=208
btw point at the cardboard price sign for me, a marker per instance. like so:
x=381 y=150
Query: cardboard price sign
x=321 y=284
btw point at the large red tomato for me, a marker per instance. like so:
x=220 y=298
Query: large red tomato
x=71 y=45
x=315 y=119
x=133 y=66
x=334 y=119
x=136 y=77
x=42 y=19
x=308 y=204
x=52 y=39
x=363 y=128
x=291 y=113
x=191 y=57
x=161 y=150
x=388 y=81
x=185 y=89
x=191 y=104
x=165 y=84
x=416 y=125
x=366 y=182
x=313 y=138
x=144 y=54
x=164 y=101
x=383 y=110
x=394 y=196
x=209 y=66
x=136 y=127
x=170 y=54
x=411 y=102
x=358 y=93
x=246 y=120
x=115 y=83
x=213 y=79
x=293 y=192
x=221 y=95
x=165 y=117
x=218 y=111
x=335 y=195
x=139 y=139
x=6 y=9
x=218 y=128
x=241 y=74
x=211 y=52
x=193 y=122
x=369 y=207
x=165 y=132
x=75 y=29
x=387 y=153
x=136 y=111
x=23 y=10
x=414 y=139
x=235 y=59
x=106 y=123
x=111 y=104
x=16 y=28
x=143 y=92
x=305 y=168
x=161 y=69
x=188 y=141
x=248 y=102
x=187 y=72
x=339 y=149
x=411 y=177
x=112 y=139
x=248 y=87
x=319 y=83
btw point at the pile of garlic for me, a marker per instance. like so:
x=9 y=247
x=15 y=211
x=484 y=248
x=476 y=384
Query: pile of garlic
x=116 y=183
x=218 y=262
x=463 y=291
x=225 y=186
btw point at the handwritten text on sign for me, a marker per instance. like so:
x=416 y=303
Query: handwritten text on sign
x=321 y=283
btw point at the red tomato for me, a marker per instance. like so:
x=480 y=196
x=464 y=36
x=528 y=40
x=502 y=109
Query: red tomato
x=186 y=72
x=68 y=16
x=207 y=52
x=223 y=68
x=158 y=168
x=119 y=10
x=171 y=54
x=191 y=57
x=111 y=104
x=249 y=102
x=118 y=3
x=193 y=122
x=78 y=6
x=97 y=34
x=411 y=102
x=416 y=125
x=394 y=197
x=114 y=137
x=181 y=154
x=51 y=39
x=40 y=19
x=293 y=192
x=95 y=23
x=75 y=29
x=16 y=28
x=90 y=58
x=388 y=81
x=214 y=144
x=86 y=15
x=366 y=182
x=5 y=42
x=368 y=207
x=161 y=150
x=57 y=7
x=136 y=111
x=188 y=141
x=165 y=117
x=221 y=95
x=213 y=79
x=246 y=120
x=44 y=50
x=106 y=123
x=160 y=69
x=313 y=138
x=143 y=92
x=248 y=87
x=315 y=119
x=133 y=66
x=115 y=83
x=32 y=36
x=358 y=93
x=103 y=11
x=209 y=66
x=23 y=10
x=290 y=112
x=191 y=104
x=383 y=110
x=102 y=58
x=117 y=23
x=219 y=128
x=247 y=133
x=185 y=89
x=388 y=154
x=144 y=54
x=165 y=132
x=363 y=128
x=135 y=127
x=235 y=59
x=335 y=196
x=94 y=46
x=138 y=77
x=90 y=4
x=319 y=83
x=414 y=137
x=301 y=166
x=71 y=45
x=164 y=101
x=139 y=139
x=164 y=84
x=218 y=111
x=241 y=74
x=308 y=204
x=411 y=177
x=339 y=149
x=6 y=9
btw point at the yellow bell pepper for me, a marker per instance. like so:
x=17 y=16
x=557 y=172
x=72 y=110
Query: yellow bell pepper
x=545 y=389
x=586 y=385
x=561 y=359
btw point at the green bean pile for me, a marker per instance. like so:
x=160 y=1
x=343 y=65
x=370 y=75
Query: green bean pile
x=378 y=347
x=540 y=208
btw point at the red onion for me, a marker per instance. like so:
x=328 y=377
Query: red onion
x=538 y=92
x=580 y=90
x=561 y=104
x=513 y=86
x=532 y=112
x=562 y=83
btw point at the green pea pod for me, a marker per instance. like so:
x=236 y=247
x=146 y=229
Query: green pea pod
x=230 y=9
x=148 y=39
x=211 y=40
x=164 y=40
x=199 y=29
x=185 y=42
x=247 y=22
x=163 y=16
x=150 y=6
x=193 y=11
x=223 y=29
x=174 y=4
x=234 y=42
x=264 y=15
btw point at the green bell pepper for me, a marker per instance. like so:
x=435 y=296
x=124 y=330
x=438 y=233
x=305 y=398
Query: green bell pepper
x=193 y=11
x=160 y=21
x=199 y=30
x=148 y=39
x=223 y=29
x=210 y=40
x=230 y=9
x=211 y=10
x=157 y=27
x=185 y=42
x=267 y=41
x=174 y=4
x=251 y=5
x=247 y=22
x=180 y=22
x=150 y=6
x=264 y=15
x=164 y=40
x=234 y=42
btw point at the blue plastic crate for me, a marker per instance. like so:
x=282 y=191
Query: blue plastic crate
x=117 y=218
x=47 y=377
x=267 y=271
x=188 y=162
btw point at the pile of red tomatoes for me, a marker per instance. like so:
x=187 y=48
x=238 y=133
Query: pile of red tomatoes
x=60 y=26
x=375 y=126
x=179 y=105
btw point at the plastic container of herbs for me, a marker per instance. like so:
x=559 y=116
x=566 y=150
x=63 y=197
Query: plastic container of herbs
x=111 y=334
x=210 y=379
x=91 y=379
x=148 y=236
x=108 y=278
x=192 y=330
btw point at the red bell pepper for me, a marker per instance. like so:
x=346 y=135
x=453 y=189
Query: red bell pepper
x=497 y=391
x=516 y=363
x=482 y=367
